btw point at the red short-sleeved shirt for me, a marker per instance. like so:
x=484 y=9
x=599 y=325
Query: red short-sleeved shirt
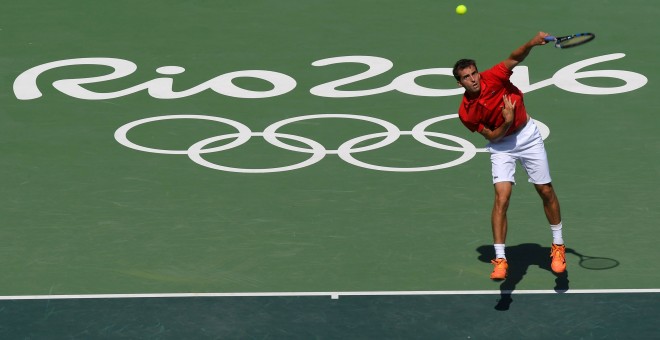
x=486 y=110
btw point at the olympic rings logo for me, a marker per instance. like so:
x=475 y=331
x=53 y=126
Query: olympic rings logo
x=317 y=151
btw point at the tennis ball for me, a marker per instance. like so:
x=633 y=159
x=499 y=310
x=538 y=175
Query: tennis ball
x=461 y=9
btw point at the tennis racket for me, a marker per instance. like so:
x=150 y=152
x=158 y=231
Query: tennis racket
x=571 y=40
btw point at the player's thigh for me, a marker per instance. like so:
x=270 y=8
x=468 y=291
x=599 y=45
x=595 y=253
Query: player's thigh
x=535 y=162
x=503 y=167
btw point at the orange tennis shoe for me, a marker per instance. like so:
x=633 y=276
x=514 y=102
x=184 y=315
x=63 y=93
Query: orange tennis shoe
x=499 y=272
x=558 y=255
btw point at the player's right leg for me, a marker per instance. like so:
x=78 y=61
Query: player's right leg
x=500 y=206
x=499 y=225
x=503 y=171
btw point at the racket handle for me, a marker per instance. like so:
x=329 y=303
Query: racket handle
x=550 y=38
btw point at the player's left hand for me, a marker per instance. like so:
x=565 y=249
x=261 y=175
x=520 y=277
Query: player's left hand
x=508 y=109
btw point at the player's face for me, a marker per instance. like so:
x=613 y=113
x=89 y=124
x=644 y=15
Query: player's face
x=470 y=79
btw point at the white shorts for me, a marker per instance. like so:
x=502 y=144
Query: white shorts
x=525 y=146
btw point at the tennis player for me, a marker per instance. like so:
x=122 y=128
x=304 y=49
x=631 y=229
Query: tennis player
x=494 y=107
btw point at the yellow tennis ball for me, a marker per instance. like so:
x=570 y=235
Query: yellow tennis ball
x=461 y=9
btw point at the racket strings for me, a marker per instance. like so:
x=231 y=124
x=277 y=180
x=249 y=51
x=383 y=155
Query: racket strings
x=575 y=40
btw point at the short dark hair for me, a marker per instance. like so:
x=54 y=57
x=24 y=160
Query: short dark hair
x=461 y=64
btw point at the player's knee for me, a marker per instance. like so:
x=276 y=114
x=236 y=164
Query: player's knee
x=502 y=195
x=546 y=192
x=502 y=201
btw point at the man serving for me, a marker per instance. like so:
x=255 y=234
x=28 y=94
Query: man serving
x=494 y=107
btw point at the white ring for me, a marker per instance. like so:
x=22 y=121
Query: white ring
x=194 y=152
x=392 y=134
x=468 y=153
x=419 y=132
x=243 y=135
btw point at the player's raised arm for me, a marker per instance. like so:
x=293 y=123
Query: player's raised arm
x=520 y=53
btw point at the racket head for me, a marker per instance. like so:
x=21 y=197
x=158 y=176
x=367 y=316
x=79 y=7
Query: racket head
x=571 y=40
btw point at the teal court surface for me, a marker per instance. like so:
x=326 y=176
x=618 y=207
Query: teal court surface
x=296 y=169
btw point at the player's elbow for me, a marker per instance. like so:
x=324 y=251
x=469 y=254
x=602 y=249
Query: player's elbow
x=488 y=134
x=492 y=137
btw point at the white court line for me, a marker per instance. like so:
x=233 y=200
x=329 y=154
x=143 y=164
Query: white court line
x=333 y=295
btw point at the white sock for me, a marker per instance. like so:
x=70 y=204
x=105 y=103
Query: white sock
x=499 y=251
x=556 y=234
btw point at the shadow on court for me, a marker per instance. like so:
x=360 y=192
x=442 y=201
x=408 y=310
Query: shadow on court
x=520 y=258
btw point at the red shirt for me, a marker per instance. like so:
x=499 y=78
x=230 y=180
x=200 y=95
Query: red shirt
x=486 y=110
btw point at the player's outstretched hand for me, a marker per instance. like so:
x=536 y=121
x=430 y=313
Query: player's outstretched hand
x=539 y=39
